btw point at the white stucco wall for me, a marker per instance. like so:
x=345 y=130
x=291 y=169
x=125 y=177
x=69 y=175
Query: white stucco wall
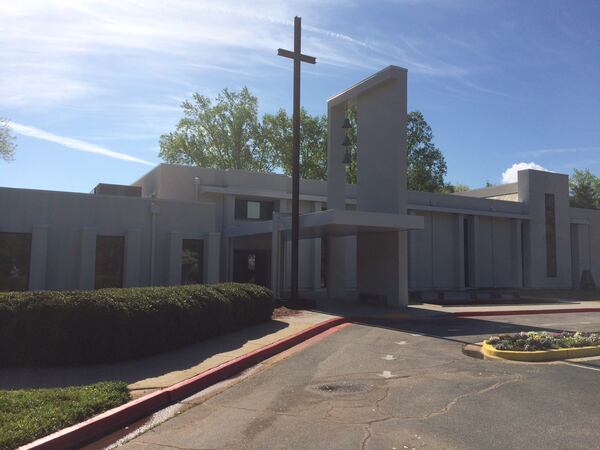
x=70 y=222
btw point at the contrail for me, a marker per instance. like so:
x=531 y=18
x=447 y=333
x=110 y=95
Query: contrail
x=75 y=144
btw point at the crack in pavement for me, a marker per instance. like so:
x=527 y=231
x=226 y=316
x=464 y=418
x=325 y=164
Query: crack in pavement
x=455 y=400
x=368 y=431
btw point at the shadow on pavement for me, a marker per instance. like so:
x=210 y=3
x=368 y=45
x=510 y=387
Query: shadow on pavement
x=139 y=369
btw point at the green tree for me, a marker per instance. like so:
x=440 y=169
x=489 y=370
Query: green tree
x=453 y=188
x=585 y=189
x=7 y=144
x=223 y=134
x=226 y=134
x=276 y=139
x=426 y=165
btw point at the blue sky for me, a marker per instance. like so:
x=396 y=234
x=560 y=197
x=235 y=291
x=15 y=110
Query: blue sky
x=91 y=85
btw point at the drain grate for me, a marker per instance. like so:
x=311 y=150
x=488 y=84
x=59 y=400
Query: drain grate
x=340 y=387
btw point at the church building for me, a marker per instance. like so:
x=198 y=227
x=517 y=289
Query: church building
x=374 y=241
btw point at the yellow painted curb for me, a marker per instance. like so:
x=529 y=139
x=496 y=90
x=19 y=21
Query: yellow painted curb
x=540 y=355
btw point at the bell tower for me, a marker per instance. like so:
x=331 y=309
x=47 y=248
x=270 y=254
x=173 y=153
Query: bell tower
x=381 y=102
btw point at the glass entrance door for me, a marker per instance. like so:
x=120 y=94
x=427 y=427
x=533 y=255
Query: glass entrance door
x=252 y=266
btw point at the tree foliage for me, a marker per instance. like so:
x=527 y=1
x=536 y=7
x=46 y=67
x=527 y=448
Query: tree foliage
x=7 y=141
x=227 y=134
x=584 y=189
x=276 y=135
x=426 y=165
x=222 y=134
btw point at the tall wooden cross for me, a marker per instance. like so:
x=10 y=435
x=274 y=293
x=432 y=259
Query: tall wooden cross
x=298 y=57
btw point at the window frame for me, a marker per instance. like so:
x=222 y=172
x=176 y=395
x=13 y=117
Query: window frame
x=28 y=237
x=266 y=209
x=121 y=272
x=200 y=243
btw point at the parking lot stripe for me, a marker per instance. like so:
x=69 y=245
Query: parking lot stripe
x=581 y=366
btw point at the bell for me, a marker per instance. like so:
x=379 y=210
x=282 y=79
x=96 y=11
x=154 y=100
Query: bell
x=346 y=142
x=347 y=157
x=347 y=124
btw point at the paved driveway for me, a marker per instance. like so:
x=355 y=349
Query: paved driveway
x=400 y=385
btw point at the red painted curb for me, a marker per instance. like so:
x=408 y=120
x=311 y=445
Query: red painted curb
x=205 y=379
x=514 y=312
x=111 y=420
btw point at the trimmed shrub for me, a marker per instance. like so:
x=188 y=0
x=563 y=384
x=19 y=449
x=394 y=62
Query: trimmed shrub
x=57 y=328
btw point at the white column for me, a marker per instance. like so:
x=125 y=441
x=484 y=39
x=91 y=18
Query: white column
x=517 y=253
x=175 y=243
x=475 y=260
x=336 y=262
x=412 y=255
x=39 y=254
x=460 y=251
x=226 y=251
x=87 y=262
x=336 y=170
x=133 y=246
x=275 y=253
x=402 y=300
x=316 y=256
x=212 y=253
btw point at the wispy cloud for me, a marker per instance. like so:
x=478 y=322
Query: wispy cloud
x=560 y=150
x=74 y=144
x=54 y=48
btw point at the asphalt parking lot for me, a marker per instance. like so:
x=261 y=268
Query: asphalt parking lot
x=400 y=385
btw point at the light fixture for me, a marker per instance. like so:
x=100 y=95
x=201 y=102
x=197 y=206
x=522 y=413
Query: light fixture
x=347 y=123
x=346 y=142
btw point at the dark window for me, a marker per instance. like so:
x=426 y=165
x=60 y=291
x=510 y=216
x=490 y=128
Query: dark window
x=192 y=261
x=253 y=210
x=550 y=236
x=15 y=256
x=110 y=251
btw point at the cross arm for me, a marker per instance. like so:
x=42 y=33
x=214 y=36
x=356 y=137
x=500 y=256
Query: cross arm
x=291 y=55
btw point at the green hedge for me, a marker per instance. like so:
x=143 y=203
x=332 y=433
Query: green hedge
x=56 y=328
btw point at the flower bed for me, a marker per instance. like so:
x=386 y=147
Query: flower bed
x=538 y=341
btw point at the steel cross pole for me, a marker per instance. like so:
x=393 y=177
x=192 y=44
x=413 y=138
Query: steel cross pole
x=297 y=57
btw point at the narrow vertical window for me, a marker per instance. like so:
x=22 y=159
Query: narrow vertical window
x=550 y=236
x=15 y=257
x=192 y=261
x=110 y=255
x=324 y=261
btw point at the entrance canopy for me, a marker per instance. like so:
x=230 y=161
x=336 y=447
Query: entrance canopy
x=332 y=222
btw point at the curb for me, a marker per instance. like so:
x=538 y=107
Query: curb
x=540 y=355
x=516 y=312
x=92 y=429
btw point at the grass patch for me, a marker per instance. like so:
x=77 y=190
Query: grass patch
x=534 y=341
x=29 y=414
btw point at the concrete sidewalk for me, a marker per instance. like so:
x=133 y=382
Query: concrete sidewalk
x=523 y=305
x=163 y=370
